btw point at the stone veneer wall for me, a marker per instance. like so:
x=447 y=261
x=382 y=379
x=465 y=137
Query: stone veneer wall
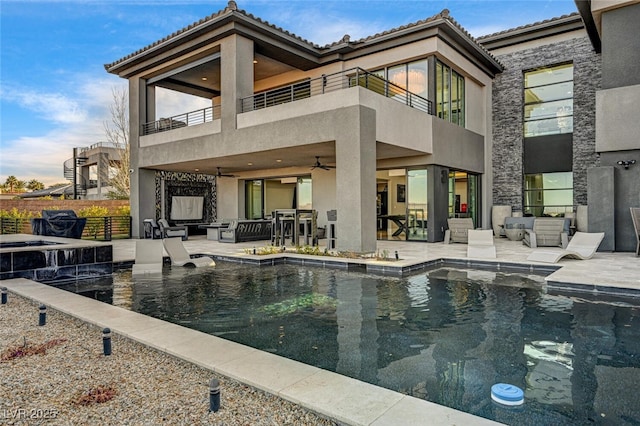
x=508 y=111
x=186 y=184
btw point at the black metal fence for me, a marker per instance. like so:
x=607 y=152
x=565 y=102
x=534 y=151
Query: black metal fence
x=105 y=228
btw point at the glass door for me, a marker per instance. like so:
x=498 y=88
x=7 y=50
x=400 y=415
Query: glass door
x=473 y=197
x=416 y=219
x=463 y=195
x=254 y=196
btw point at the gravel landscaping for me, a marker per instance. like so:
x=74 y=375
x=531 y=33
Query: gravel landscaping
x=58 y=374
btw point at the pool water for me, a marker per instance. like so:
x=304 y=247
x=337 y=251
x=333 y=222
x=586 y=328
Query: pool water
x=445 y=335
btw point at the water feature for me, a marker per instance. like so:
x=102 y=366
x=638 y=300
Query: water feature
x=445 y=335
x=33 y=243
x=53 y=258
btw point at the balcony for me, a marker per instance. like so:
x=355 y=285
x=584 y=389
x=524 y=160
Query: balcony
x=331 y=83
x=182 y=120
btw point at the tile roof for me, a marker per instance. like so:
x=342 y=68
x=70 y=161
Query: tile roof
x=233 y=8
x=532 y=25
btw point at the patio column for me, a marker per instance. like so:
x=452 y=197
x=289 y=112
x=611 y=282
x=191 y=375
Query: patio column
x=142 y=199
x=356 y=179
x=236 y=77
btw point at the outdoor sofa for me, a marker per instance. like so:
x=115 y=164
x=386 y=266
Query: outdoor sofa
x=242 y=230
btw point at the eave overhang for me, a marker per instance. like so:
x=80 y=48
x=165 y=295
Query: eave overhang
x=538 y=30
x=289 y=49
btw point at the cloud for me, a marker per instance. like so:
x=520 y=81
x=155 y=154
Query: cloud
x=170 y=103
x=54 y=107
x=322 y=22
x=77 y=119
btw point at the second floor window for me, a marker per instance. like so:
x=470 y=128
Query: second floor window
x=548 y=101
x=449 y=94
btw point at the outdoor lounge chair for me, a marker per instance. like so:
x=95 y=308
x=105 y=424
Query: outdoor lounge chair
x=481 y=244
x=548 y=232
x=180 y=257
x=458 y=230
x=148 y=257
x=582 y=246
x=151 y=229
x=635 y=218
x=172 y=231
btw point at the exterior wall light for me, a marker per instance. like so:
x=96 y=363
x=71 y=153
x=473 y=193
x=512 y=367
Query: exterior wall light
x=626 y=163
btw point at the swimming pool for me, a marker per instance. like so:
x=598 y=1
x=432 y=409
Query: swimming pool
x=445 y=335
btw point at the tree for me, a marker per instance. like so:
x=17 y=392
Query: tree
x=117 y=133
x=35 y=185
x=12 y=184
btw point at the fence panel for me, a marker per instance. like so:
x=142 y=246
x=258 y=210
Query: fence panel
x=104 y=228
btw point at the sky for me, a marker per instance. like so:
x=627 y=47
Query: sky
x=55 y=93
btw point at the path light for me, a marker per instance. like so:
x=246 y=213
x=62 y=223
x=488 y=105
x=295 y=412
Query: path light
x=43 y=315
x=397 y=256
x=4 y=295
x=106 y=341
x=214 y=395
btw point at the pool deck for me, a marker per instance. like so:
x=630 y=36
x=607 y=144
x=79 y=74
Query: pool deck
x=346 y=400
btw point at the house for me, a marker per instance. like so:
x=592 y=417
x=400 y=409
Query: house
x=90 y=169
x=60 y=191
x=396 y=132
x=565 y=114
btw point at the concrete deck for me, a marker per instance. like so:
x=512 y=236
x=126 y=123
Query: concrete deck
x=327 y=393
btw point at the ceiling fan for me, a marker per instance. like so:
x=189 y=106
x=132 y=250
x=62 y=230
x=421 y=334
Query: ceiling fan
x=319 y=165
x=220 y=174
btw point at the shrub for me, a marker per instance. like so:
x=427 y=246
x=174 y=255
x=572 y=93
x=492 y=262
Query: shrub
x=123 y=211
x=93 y=227
x=14 y=213
x=93 y=211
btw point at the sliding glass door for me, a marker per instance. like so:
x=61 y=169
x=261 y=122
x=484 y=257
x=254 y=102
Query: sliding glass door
x=254 y=196
x=416 y=219
x=463 y=195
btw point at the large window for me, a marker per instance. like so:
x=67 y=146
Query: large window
x=548 y=101
x=548 y=194
x=449 y=94
x=411 y=76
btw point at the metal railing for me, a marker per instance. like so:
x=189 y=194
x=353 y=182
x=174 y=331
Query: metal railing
x=10 y=225
x=333 y=82
x=182 y=120
x=103 y=228
x=107 y=228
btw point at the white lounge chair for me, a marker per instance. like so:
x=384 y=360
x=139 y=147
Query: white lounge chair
x=480 y=244
x=148 y=257
x=180 y=257
x=582 y=246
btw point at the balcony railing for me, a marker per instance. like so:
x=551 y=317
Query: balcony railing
x=333 y=82
x=182 y=120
